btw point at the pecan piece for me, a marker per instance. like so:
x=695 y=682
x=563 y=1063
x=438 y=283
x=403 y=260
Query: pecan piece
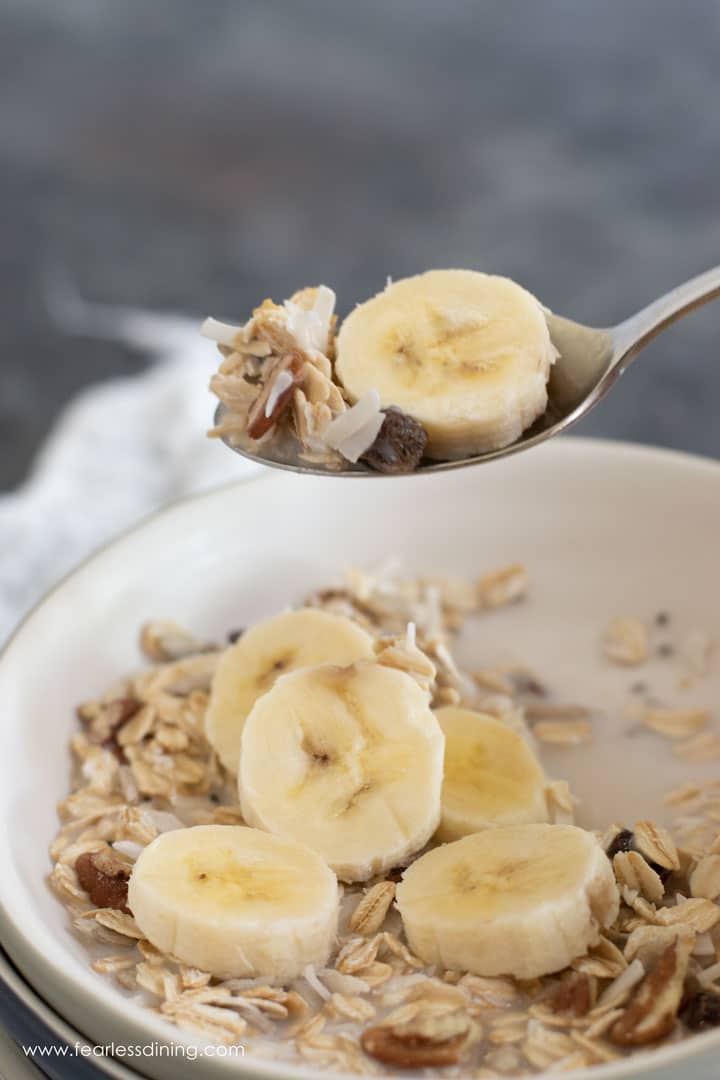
x=275 y=395
x=418 y=1043
x=573 y=996
x=104 y=876
x=652 y=1012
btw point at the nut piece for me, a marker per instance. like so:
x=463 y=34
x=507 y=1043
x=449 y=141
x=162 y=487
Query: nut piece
x=104 y=876
x=369 y=915
x=574 y=995
x=399 y=445
x=275 y=395
x=626 y=642
x=652 y=1011
x=421 y=1042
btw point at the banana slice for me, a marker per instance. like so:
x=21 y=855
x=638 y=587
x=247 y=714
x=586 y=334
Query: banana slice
x=522 y=900
x=234 y=901
x=491 y=775
x=466 y=354
x=347 y=759
x=291 y=640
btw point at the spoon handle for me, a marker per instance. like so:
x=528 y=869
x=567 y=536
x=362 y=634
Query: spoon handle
x=632 y=335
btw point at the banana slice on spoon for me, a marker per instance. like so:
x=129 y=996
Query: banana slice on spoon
x=467 y=354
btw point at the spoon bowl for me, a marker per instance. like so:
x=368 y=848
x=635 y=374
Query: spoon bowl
x=589 y=362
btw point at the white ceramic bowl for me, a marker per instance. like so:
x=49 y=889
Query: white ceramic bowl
x=604 y=528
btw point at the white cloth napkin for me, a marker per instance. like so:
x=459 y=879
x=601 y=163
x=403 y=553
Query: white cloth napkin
x=117 y=452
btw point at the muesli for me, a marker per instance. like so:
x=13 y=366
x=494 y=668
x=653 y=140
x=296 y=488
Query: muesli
x=379 y=978
x=442 y=365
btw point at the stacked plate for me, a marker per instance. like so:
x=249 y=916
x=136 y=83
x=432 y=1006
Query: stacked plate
x=36 y=1041
x=605 y=529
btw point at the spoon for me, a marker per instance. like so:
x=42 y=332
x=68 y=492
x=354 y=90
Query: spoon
x=590 y=362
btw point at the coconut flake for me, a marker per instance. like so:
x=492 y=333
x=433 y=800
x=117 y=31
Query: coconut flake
x=311 y=328
x=632 y=975
x=164 y=821
x=324 y=307
x=283 y=382
x=129 y=848
x=222 y=333
x=354 y=431
x=310 y=976
x=411 y=635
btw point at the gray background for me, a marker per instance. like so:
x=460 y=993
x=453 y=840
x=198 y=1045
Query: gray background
x=201 y=154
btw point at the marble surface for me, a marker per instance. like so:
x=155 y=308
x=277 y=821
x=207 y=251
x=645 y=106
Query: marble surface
x=192 y=158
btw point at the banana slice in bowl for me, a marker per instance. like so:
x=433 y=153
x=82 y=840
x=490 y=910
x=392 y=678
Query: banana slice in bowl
x=348 y=760
x=234 y=901
x=466 y=354
x=491 y=775
x=249 y=668
x=521 y=900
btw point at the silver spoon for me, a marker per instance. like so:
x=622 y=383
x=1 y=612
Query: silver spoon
x=590 y=362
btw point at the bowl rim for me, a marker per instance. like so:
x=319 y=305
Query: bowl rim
x=32 y=963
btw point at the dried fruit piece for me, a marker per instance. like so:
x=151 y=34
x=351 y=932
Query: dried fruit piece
x=399 y=445
x=623 y=841
x=422 y=1042
x=652 y=1011
x=652 y=842
x=104 y=876
x=702 y=1011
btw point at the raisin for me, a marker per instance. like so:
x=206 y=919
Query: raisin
x=625 y=841
x=234 y=635
x=400 y=444
x=104 y=877
x=702 y=1011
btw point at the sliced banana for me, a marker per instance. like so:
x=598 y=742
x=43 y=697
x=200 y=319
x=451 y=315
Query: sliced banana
x=349 y=760
x=521 y=900
x=491 y=775
x=248 y=669
x=234 y=901
x=467 y=354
